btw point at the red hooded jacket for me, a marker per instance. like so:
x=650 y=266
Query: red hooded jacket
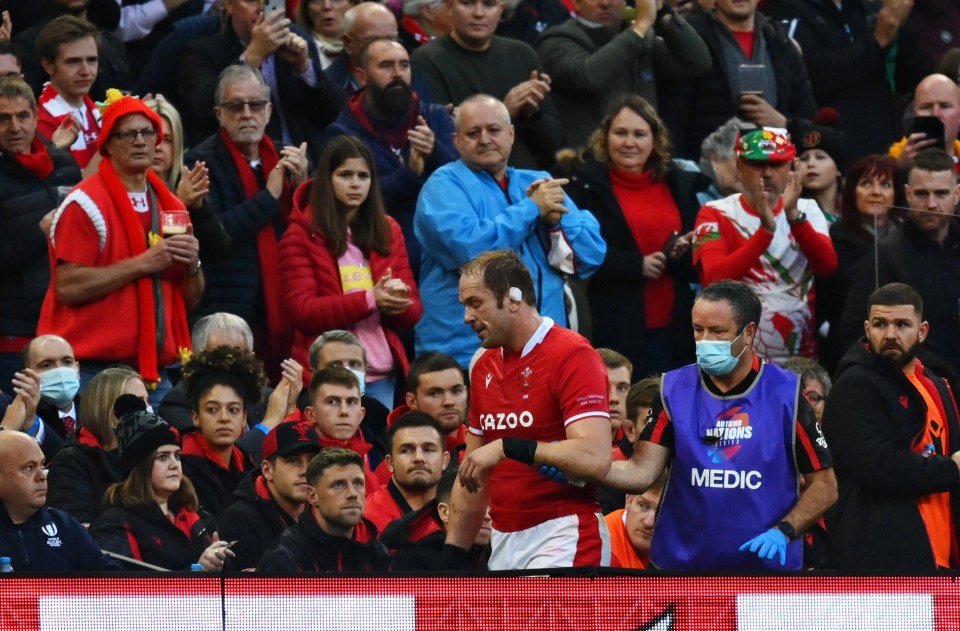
x=313 y=293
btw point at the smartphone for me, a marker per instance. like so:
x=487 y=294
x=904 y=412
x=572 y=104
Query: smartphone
x=931 y=127
x=670 y=242
x=270 y=6
x=751 y=78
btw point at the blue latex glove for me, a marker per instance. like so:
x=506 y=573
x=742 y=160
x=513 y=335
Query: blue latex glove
x=552 y=473
x=766 y=545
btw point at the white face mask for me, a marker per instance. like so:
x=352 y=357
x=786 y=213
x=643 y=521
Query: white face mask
x=362 y=378
x=59 y=385
x=716 y=358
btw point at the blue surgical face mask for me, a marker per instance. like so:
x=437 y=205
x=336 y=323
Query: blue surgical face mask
x=362 y=378
x=59 y=385
x=715 y=357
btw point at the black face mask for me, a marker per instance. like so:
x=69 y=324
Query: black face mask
x=392 y=100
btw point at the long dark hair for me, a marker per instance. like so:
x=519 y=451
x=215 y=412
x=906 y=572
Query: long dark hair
x=137 y=489
x=878 y=165
x=369 y=229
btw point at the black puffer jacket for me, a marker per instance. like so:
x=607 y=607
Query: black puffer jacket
x=873 y=420
x=24 y=200
x=254 y=520
x=79 y=474
x=308 y=548
x=693 y=109
x=214 y=484
x=146 y=534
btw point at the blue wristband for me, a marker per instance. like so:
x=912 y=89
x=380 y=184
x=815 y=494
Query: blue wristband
x=33 y=429
x=262 y=428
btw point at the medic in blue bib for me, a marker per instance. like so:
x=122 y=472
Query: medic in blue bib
x=749 y=467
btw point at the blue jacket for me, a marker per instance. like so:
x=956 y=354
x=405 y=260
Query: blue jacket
x=461 y=214
x=51 y=541
x=398 y=184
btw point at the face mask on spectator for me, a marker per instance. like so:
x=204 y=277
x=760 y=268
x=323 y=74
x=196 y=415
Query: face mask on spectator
x=59 y=385
x=715 y=357
x=362 y=378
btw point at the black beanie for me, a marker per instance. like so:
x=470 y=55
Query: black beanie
x=140 y=433
x=824 y=134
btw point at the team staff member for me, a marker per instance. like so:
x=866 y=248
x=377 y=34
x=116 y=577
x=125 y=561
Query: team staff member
x=739 y=436
x=435 y=386
x=539 y=397
x=416 y=461
x=893 y=426
x=270 y=499
x=331 y=534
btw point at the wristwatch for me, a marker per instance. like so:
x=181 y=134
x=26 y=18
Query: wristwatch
x=800 y=218
x=787 y=529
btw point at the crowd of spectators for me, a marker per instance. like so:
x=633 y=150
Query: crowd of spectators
x=280 y=286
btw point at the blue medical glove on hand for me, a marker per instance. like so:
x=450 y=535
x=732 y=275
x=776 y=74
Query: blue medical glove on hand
x=768 y=544
x=552 y=473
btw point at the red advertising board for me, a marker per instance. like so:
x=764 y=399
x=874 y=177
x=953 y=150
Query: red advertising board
x=574 y=603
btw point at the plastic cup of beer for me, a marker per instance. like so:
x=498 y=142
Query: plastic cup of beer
x=174 y=222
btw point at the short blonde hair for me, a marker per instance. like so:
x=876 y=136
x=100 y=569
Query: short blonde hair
x=96 y=404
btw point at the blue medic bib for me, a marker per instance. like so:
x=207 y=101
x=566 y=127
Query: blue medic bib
x=734 y=472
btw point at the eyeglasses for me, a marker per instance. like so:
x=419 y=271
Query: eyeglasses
x=488 y=5
x=236 y=107
x=147 y=134
x=814 y=398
